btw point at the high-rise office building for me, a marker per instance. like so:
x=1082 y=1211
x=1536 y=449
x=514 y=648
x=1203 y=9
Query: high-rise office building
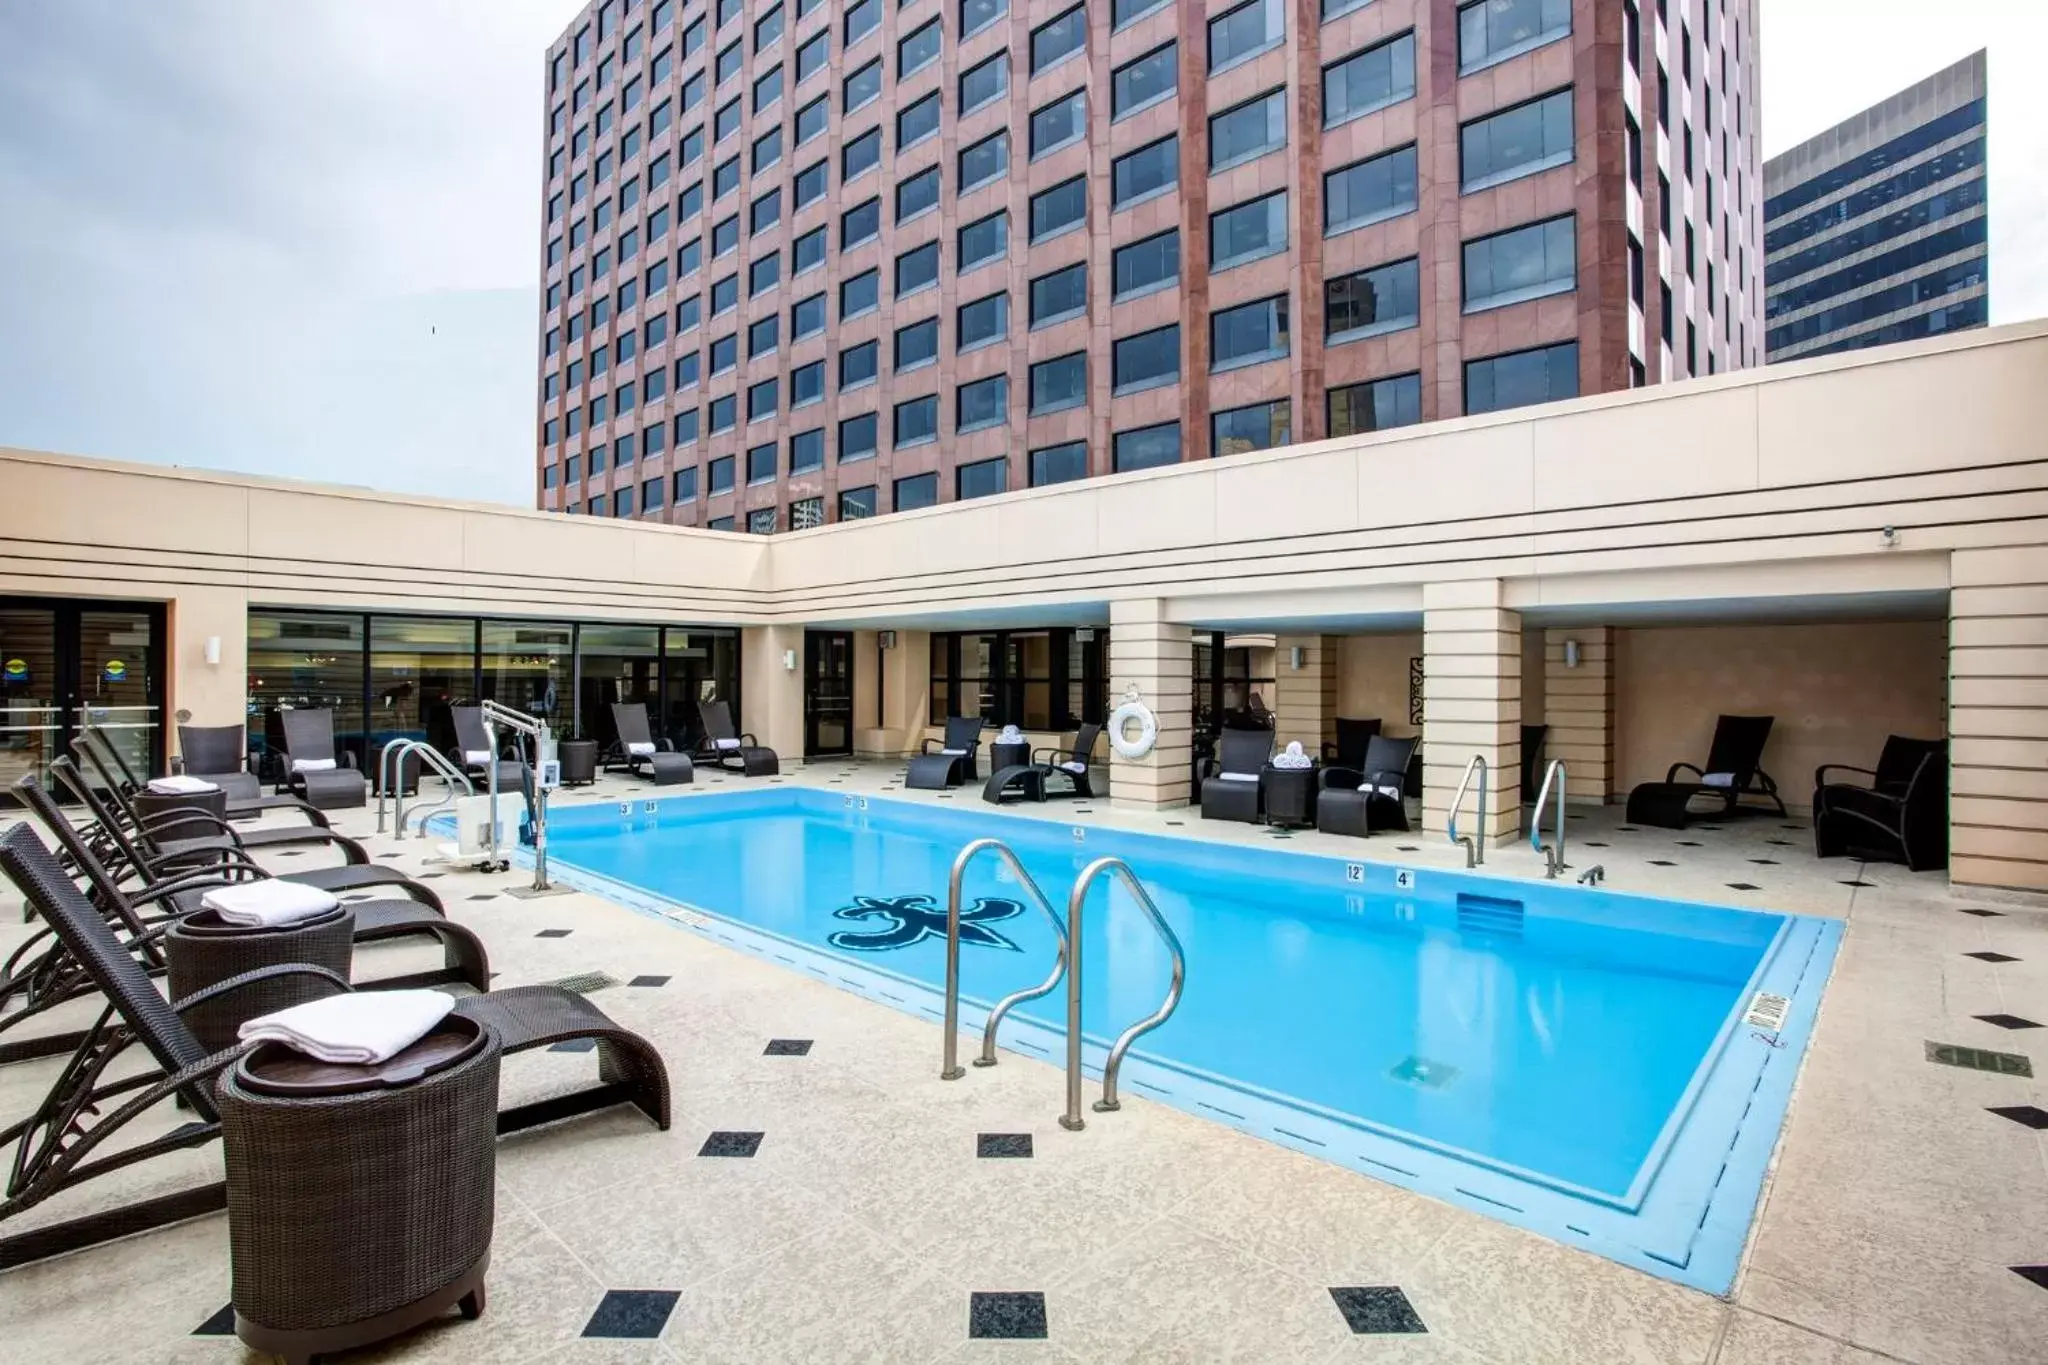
x=1876 y=231
x=806 y=260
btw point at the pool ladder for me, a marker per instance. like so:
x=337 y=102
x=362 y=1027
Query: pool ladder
x=1553 y=852
x=1068 y=964
x=1474 y=845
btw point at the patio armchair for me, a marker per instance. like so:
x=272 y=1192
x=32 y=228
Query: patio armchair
x=1901 y=815
x=1352 y=737
x=1070 y=764
x=950 y=761
x=220 y=754
x=1356 y=801
x=1733 y=770
x=315 y=769
x=1232 y=791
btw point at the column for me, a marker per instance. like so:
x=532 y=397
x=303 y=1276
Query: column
x=1305 y=698
x=1578 y=706
x=899 y=678
x=772 y=688
x=1998 y=718
x=1471 y=702
x=210 y=693
x=1158 y=658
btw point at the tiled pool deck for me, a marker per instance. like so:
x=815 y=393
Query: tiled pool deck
x=823 y=1196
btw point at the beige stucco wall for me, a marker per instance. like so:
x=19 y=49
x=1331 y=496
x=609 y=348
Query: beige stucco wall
x=1372 y=678
x=1836 y=690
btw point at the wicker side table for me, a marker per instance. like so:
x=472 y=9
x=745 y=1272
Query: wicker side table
x=360 y=1199
x=204 y=950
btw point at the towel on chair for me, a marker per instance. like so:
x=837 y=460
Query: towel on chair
x=267 y=904
x=476 y=756
x=361 y=1027
x=1293 y=757
x=1074 y=765
x=640 y=748
x=179 y=785
x=1238 y=777
x=725 y=744
x=1717 y=779
x=1395 y=792
x=312 y=765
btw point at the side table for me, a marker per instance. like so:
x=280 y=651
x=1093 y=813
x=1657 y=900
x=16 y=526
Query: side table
x=579 y=762
x=1290 y=795
x=202 y=949
x=1001 y=756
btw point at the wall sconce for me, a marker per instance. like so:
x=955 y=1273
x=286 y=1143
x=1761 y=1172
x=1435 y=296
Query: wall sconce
x=1295 y=654
x=789 y=661
x=213 y=650
x=885 y=639
x=1571 y=653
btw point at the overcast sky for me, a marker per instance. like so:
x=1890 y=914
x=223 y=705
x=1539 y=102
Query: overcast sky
x=302 y=238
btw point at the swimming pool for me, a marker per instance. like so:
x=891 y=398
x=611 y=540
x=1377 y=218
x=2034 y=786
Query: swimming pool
x=1574 y=1061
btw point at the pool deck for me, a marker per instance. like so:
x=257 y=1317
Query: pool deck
x=864 y=1223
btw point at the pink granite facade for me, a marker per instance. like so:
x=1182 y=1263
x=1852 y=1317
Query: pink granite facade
x=630 y=267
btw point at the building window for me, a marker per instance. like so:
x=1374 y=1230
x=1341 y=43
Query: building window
x=718 y=524
x=725 y=295
x=1491 y=31
x=807 y=317
x=976 y=15
x=762 y=336
x=1145 y=265
x=1238 y=35
x=986 y=160
x=1520 y=141
x=1260 y=426
x=858 y=438
x=862 y=87
x=860 y=223
x=1386 y=298
x=685 y=483
x=812 y=120
x=1055 y=210
x=761 y=464
x=984 y=240
x=1060 y=295
x=1248 y=130
x=805 y=513
x=726 y=121
x=1059 y=383
x=763 y=274
x=724 y=413
x=917 y=269
x=983 y=82
x=685 y=425
x=862 y=18
x=918 y=122
x=1060 y=123
x=856 y=504
x=918 y=194
x=1248 y=231
x=1140 y=174
x=768 y=28
x=1059 y=464
x=812 y=57
x=761 y=521
x=807 y=252
x=1248 y=334
x=917 y=344
x=981 y=479
x=1146 y=447
x=984 y=403
x=1368 y=81
x=917 y=50
x=1058 y=38
x=1369 y=191
x=1146 y=361
x=767 y=150
x=861 y=294
x=1529 y=262
x=1376 y=405
x=1543 y=375
x=918 y=490
x=1144 y=81
x=807 y=451
x=1035 y=679
x=914 y=422
x=860 y=155
x=650 y=495
x=730 y=60
x=859 y=364
x=807 y=383
x=722 y=474
x=981 y=322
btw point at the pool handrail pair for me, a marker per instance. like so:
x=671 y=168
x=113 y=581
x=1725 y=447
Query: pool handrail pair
x=1067 y=935
x=391 y=779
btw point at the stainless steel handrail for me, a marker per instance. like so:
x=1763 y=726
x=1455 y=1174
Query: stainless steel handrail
x=1553 y=853
x=1475 y=853
x=950 y=1070
x=390 y=779
x=1072 y=1120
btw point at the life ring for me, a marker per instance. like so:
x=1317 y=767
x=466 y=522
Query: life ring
x=1148 y=729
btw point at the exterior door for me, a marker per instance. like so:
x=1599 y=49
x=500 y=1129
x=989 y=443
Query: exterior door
x=66 y=665
x=828 y=693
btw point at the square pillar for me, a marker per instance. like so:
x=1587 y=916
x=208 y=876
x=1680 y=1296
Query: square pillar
x=891 y=693
x=1578 y=706
x=1998 y=718
x=1471 y=702
x=1157 y=657
x=771 y=693
x=1305 y=698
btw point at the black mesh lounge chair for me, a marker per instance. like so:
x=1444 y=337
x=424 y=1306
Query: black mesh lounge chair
x=67 y=1140
x=725 y=746
x=1232 y=791
x=1901 y=816
x=473 y=752
x=1734 y=769
x=220 y=754
x=950 y=761
x=1352 y=737
x=314 y=769
x=636 y=745
x=1357 y=801
x=187 y=825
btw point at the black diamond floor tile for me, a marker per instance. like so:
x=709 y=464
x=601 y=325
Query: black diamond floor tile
x=1791 y=827
x=1992 y=957
x=1857 y=881
x=221 y=1324
x=2028 y=1115
x=648 y=981
x=1688 y=843
x=787 y=1047
x=1176 y=824
x=1594 y=843
x=1377 y=1309
x=1781 y=843
x=1765 y=862
x=639 y=1314
x=2037 y=1273
x=1627 y=829
x=1982 y=914
x=550 y=933
x=430 y=876
x=731 y=1144
x=1662 y=862
x=575 y=1045
x=1008 y=1317
x=486 y=896
x=1002 y=1144
x=2008 y=1021
x=1406 y=848
x=1744 y=886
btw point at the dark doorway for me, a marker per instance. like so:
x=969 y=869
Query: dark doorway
x=828 y=693
x=65 y=665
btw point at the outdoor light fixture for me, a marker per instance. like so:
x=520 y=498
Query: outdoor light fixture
x=789 y=660
x=213 y=650
x=885 y=639
x=1571 y=653
x=1294 y=657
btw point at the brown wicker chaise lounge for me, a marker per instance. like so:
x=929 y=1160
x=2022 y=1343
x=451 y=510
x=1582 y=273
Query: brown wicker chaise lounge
x=315 y=768
x=216 y=754
x=65 y=1142
x=724 y=745
x=188 y=823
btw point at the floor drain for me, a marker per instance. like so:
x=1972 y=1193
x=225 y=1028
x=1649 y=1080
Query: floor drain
x=1979 y=1059
x=585 y=983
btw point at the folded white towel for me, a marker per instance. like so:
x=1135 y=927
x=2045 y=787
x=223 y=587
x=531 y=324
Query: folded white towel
x=725 y=744
x=267 y=904
x=1293 y=757
x=181 y=786
x=1717 y=780
x=1394 y=792
x=952 y=753
x=361 y=1027
x=476 y=755
x=640 y=747
x=1239 y=777
x=312 y=765
x=1075 y=765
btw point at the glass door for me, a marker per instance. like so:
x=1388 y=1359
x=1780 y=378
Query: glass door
x=66 y=665
x=31 y=704
x=828 y=693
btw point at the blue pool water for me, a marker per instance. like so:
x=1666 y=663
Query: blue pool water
x=1573 y=1060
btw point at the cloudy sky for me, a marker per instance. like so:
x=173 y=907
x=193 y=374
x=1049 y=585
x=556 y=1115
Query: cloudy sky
x=302 y=238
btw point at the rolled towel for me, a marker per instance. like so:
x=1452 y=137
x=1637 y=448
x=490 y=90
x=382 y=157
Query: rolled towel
x=952 y=753
x=725 y=743
x=1717 y=779
x=478 y=756
x=361 y=1027
x=267 y=904
x=312 y=765
x=640 y=748
x=1293 y=757
x=180 y=785
x=1074 y=765
x=1010 y=735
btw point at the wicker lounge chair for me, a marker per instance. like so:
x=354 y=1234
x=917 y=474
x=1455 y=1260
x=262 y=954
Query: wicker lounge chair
x=1734 y=769
x=1352 y=737
x=1901 y=816
x=952 y=761
x=1232 y=791
x=65 y=1141
x=639 y=752
x=473 y=752
x=314 y=769
x=1358 y=800
x=220 y=754
x=188 y=825
x=726 y=747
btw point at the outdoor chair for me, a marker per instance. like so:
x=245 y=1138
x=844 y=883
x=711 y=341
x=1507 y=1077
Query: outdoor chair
x=1352 y=738
x=474 y=754
x=1232 y=791
x=65 y=1141
x=1901 y=816
x=1070 y=765
x=636 y=748
x=952 y=761
x=220 y=754
x=190 y=825
x=1734 y=769
x=314 y=769
x=726 y=747
x=1358 y=800
x=1532 y=760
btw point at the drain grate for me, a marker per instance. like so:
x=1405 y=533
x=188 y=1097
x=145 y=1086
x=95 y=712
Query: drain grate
x=1979 y=1059
x=585 y=983
x=1767 y=1012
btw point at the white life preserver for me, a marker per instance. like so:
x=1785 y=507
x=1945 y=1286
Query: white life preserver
x=1148 y=727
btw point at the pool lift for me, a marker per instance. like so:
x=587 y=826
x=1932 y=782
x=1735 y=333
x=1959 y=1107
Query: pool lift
x=536 y=779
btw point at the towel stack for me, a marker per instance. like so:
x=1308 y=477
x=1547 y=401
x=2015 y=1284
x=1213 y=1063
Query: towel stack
x=360 y=1028
x=267 y=904
x=1010 y=735
x=1293 y=757
x=180 y=785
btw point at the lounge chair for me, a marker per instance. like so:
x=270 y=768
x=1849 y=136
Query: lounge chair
x=1054 y=771
x=220 y=754
x=474 y=754
x=636 y=748
x=726 y=747
x=1357 y=801
x=1901 y=816
x=1532 y=759
x=186 y=824
x=61 y=1145
x=314 y=769
x=952 y=762
x=1734 y=769
x=1232 y=791
x=1352 y=737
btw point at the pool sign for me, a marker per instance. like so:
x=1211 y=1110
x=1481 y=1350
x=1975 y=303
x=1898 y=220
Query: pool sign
x=1354 y=872
x=648 y=808
x=1404 y=879
x=14 y=672
x=115 y=670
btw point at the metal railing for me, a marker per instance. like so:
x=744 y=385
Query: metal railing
x=391 y=780
x=1072 y=1120
x=1553 y=852
x=950 y=1070
x=1475 y=848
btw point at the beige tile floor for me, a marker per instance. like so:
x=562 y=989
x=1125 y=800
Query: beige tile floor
x=861 y=1227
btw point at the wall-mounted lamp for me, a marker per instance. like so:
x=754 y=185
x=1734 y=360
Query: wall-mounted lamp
x=1295 y=654
x=1890 y=536
x=789 y=661
x=1571 y=653
x=213 y=650
x=885 y=639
